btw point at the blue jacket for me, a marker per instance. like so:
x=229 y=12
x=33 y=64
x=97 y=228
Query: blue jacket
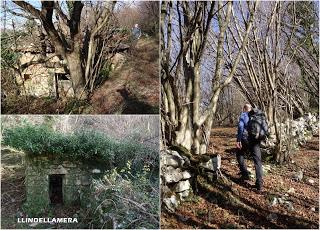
x=242 y=126
x=136 y=32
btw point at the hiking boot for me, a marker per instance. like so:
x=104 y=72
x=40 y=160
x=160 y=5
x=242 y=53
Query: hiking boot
x=258 y=186
x=245 y=176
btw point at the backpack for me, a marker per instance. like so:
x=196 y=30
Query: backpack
x=257 y=125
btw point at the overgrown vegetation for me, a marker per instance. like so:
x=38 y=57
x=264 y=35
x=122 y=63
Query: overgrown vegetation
x=90 y=41
x=84 y=145
x=8 y=56
x=124 y=195
x=134 y=197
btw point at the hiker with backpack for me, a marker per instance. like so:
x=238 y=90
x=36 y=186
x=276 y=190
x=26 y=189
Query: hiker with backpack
x=136 y=32
x=252 y=129
x=135 y=36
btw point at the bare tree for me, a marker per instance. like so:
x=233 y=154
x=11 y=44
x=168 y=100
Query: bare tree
x=268 y=75
x=190 y=53
x=306 y=49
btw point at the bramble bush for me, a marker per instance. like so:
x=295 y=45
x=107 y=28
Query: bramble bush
x=127 y=201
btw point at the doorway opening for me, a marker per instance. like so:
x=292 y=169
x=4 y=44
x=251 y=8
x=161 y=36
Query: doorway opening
x=62 y=76
x=55 y=188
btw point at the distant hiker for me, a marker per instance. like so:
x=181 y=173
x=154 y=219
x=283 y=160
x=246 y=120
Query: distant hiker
x=135 y=36
x=136 y=32
x=252 y=128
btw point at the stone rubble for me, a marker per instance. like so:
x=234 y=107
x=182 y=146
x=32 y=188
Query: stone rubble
x=274 y=201
x=272 y=217
x=298 y=176
x=289 y=205
x=291 y=190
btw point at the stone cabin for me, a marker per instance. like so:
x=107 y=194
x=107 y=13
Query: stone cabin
x=51 y=181
x=48 y=79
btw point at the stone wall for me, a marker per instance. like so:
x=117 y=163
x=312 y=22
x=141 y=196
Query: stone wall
x=117 y=61
x=77 y=179
x=41 y=81
x=175 y=179
x=175 y=182
x=301 y=130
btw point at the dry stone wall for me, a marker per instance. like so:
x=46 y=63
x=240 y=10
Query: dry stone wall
x=301 y=130
x=176 y=179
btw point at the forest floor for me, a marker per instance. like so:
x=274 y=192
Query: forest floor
x=299 y=206
x=133 y=88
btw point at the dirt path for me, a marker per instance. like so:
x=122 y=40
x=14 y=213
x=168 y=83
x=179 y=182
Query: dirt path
x=299 y=205
x=134 y=87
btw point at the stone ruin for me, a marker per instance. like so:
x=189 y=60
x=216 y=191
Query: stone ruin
x=50 y=78
x=52 y=182
x=41 y=79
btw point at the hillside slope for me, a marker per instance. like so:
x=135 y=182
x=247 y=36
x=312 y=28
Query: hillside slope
x=133 y=88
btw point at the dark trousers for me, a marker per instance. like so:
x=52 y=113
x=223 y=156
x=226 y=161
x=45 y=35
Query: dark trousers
x=133 y=45
x=253 y=147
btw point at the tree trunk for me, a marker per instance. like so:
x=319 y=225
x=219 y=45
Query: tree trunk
x=77 y=75
x=184 y=116
x=194 y=138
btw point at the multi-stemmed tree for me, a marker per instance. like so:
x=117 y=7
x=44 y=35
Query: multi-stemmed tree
x=195 y=59
x=274 y=66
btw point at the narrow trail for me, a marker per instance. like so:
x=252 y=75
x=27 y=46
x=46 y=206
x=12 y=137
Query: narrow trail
x=133 y=88
x=299 y=208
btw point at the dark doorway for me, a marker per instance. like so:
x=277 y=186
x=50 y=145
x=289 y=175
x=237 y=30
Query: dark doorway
x=62 y=76
x=55 y=188
x=59 y=77
x=26 y=76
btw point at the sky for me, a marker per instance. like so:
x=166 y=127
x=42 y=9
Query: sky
x=19 y=21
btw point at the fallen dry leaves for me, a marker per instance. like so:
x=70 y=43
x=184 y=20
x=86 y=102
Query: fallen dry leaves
x=204 y=211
